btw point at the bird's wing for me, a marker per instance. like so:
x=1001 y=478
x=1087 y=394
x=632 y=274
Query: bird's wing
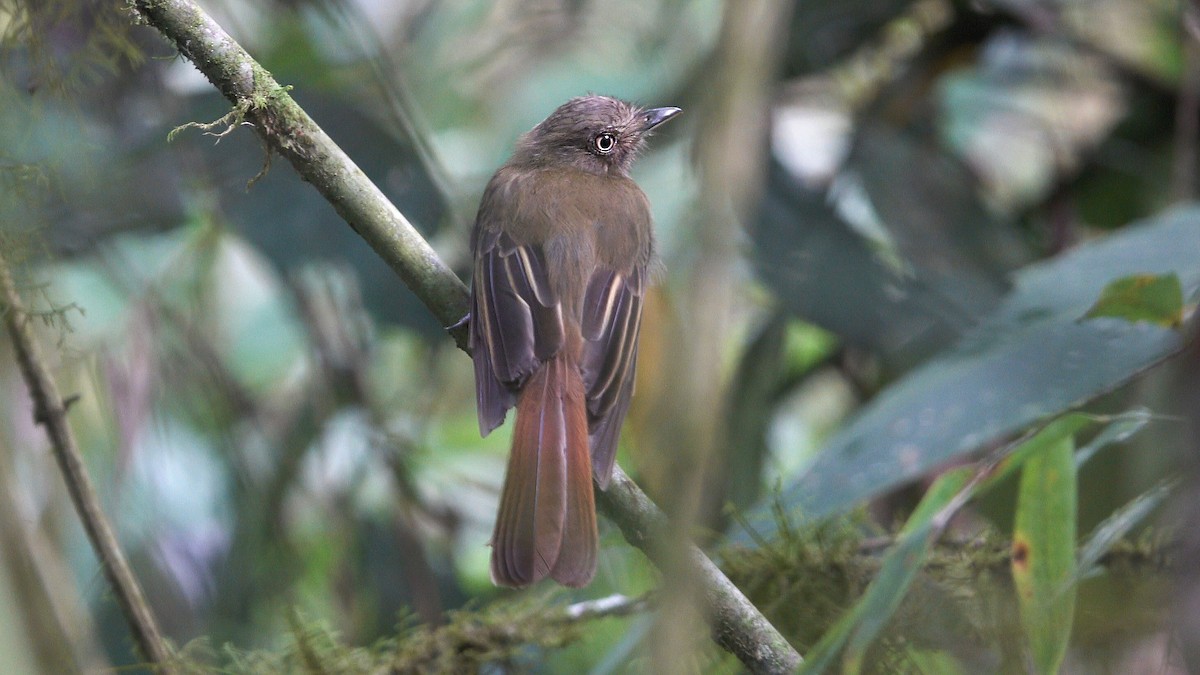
x=612 y=316
x=516 y=322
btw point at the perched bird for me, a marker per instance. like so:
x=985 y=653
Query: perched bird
x=564 y=249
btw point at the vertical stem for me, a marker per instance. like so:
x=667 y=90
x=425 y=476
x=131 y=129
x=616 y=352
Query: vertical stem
x=732 y=137
x=50 y=411
x=1187 y=119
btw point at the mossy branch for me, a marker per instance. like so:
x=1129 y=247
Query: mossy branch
x=50 y=410
x=287 y=129
x=737 y=625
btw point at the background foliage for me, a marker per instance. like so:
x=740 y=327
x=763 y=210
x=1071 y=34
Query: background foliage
x=963 y=220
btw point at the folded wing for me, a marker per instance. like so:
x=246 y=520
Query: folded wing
x=612 y=317
x=516 y=322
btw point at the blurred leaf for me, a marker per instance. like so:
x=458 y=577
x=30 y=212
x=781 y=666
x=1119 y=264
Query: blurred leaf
x=823 y=31
x=1043 y=556
x=1053 y=433
x=1141 y=36
x=1029 y=360
x=929 y=203
x=857 y=628
x=752 y=393
x=1025 y=82
x=1142 y=297
x=824 y=272
x=1117 y=428
x=1115 y=527
x=1120 y=429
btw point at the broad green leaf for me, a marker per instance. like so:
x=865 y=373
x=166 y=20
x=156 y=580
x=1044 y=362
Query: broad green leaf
x=1029 y=360
x=825 y=273
x=1043 y=556
x=1142 y=297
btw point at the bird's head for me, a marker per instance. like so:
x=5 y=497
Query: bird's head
x=599 y=134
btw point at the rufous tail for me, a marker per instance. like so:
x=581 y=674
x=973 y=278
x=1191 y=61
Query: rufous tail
x=546 y=524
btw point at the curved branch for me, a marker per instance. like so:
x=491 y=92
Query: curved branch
x=737 y=625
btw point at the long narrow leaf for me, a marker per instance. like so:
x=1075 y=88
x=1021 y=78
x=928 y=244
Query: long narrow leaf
x=1117 y=526
x=1043 y=556
x=1044 y=563
x=1121 y=428
x=859 y=627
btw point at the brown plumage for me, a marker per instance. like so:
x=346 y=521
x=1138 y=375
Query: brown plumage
x=563 y=246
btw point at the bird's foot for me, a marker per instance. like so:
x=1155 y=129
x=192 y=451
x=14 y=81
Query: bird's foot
x=460 y=323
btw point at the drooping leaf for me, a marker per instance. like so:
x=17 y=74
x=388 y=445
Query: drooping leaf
x=824 y=272
x=1115 y=527
x=1120 y=429
x=1043 y=555
x=859 y=626
x=1030 y=360
x=1142 y=297
x=935 y=216
x=853 y=634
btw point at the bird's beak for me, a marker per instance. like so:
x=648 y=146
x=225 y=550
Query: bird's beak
x=656 y=116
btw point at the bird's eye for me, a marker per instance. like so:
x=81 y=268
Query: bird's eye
x=605 y=143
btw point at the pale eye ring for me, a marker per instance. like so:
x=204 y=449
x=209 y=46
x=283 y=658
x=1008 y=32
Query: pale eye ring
x=605 y=143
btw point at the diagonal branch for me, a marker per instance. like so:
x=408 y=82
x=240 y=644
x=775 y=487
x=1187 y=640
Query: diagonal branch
x=50 y=411
x=260 y=100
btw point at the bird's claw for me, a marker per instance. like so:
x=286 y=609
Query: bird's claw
x=460 y=323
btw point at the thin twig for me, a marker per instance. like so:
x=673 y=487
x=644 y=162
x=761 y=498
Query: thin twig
x=613 y=605
x=50 y=411
x=738 y=626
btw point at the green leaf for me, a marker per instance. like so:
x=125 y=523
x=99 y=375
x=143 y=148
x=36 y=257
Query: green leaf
x=1028 y=361
x=1061 y=429
x=1142 y=297
x=854 y=632
x=1116 y=526
x=1043 y=557
x=858 y=627
x=1118 y=430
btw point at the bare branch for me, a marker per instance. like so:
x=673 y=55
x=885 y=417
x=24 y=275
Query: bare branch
x=50 y=410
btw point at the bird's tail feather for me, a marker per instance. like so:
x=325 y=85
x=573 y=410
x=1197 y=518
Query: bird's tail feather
x=546 y=525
